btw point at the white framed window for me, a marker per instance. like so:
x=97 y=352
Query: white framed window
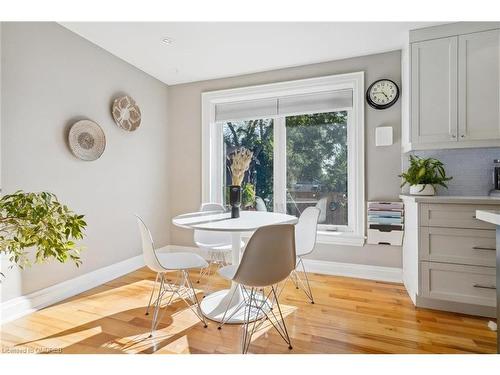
x=308 y=142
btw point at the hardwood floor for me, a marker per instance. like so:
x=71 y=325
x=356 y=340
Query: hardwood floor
x=350 y=316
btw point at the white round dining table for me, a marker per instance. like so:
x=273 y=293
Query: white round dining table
x=215 y=304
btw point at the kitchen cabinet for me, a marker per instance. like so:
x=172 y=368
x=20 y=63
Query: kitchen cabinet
x=449 y=255
x=434 y=90
x=455 y=88
x=478 y=85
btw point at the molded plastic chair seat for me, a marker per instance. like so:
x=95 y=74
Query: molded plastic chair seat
x=162 y=263
x=226 y=247
x=216 y=244
x=228 y=272
x=181 y=261
x=305 y=241
x=267 y=260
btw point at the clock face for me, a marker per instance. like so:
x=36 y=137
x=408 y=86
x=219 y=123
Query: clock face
x=382 y=94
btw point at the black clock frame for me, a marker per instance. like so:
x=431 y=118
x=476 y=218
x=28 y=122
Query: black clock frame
x=382 y=106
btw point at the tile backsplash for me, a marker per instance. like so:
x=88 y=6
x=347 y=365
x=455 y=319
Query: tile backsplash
x=471 y=169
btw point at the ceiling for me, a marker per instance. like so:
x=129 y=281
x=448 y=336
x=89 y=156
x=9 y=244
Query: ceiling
x=207 y=50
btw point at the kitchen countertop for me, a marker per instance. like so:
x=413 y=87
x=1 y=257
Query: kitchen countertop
x=489 y=216
x=450 y=199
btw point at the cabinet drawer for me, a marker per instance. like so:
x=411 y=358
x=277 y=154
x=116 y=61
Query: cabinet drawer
x=458 y=283
x=463 y=246
x=454 y=216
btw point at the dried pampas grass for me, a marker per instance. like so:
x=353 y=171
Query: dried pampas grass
x=240 y=162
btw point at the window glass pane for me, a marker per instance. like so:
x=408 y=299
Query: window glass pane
x=317 y=165
x=257 y=185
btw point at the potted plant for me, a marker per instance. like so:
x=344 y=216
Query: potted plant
x=423 y=175
x=240 y=162
x=41 y=222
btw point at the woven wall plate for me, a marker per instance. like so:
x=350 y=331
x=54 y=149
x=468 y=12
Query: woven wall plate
x=87 y=140
x=126 y=113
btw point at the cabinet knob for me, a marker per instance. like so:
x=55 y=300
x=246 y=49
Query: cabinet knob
x=453 y=136
x=462 y=136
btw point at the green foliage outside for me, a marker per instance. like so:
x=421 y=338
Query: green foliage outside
x=316 y=153
x=317 y=150
x=257 y=136
x=39 y=221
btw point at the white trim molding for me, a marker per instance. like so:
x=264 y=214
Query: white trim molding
x=212 y=173
x=20 y=306
x=360 y=271
x=324 y=267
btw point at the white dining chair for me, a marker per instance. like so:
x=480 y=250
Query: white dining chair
x=269 y=258
x=218 y=245
x=305 y=241
x=321 y=205
x=260 y=205
x=161 y=263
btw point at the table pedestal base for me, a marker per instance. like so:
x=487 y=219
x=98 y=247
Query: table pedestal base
x=214 y=306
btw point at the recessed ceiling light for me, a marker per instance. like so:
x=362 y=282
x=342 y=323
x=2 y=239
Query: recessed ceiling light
x=167 y=40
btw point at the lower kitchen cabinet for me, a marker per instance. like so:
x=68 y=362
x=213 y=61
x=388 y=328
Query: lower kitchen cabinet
x=449 y=255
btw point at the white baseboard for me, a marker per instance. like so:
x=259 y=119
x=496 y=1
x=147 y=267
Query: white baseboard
x=361 y=271
x=20 y=306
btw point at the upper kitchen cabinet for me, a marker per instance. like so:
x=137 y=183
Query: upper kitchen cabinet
x=478 y=86
x=454 y=86
x=434 y=91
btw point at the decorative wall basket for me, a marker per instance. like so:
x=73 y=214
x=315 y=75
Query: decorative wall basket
x=126 y=113
x=87 y=140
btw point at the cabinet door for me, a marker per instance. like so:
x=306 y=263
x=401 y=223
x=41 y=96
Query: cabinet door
x=434 y=91
x=479 y=85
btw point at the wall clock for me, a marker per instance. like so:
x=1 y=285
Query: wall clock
x=382 y=94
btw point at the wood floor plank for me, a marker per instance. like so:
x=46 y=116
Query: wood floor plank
x=349 y=316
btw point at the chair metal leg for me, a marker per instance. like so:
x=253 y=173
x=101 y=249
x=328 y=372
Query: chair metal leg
x=246 y=338
x=307 y=287
x=224 y=320
x=293 y=276
x=154 y=322
x=249 y=328
x=207 y=270
x=152 y=293
x=282 y=327
x=199 y=313
x=184 y=289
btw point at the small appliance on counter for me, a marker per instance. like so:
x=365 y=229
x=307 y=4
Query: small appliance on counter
x=495 y=192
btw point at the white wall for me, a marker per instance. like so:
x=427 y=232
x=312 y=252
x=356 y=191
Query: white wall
x=383 y=164
x=50 y=79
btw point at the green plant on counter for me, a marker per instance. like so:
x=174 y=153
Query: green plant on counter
x=248 y=195
x=39 y=221
x=425 y=171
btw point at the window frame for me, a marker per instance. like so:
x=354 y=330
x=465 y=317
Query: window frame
x=212 y=146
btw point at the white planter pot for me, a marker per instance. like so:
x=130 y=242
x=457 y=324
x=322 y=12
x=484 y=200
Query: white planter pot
x=420 y=190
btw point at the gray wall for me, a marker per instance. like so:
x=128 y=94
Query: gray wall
x=471 y=169
x=51 y=78
x=383 y=164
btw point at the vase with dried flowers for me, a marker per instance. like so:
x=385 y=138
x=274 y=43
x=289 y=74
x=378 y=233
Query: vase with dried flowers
x=240 y=162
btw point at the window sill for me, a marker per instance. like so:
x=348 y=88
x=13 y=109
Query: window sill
x=340 y=238
x=329 y=238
